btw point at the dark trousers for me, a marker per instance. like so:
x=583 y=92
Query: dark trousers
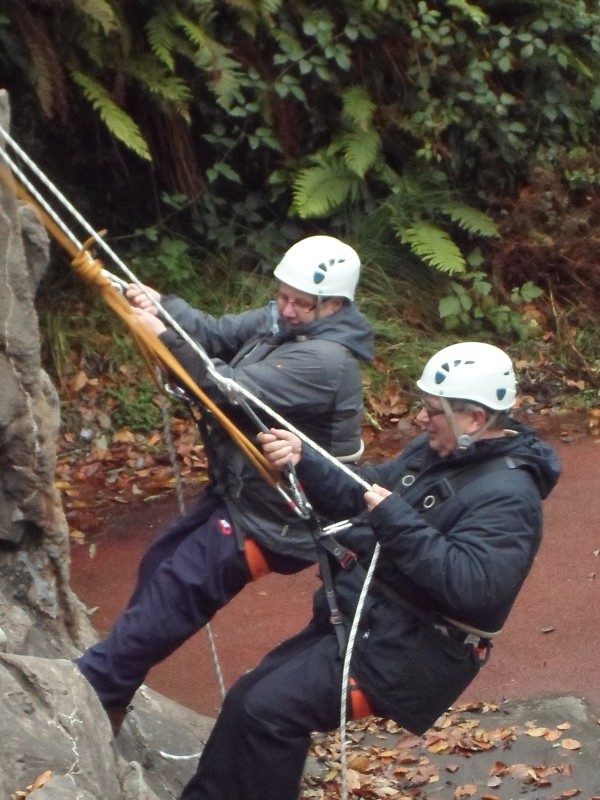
x=258 y=746
x=190 y=572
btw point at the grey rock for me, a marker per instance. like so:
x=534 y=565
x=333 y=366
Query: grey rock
x=52 y=721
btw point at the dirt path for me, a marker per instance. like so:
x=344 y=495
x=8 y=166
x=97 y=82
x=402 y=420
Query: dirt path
x=550 y=645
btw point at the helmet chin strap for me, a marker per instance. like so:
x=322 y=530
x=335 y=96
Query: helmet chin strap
x=464 y=440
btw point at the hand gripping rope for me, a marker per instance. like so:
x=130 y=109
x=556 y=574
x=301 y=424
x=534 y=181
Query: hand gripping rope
x=154 y=351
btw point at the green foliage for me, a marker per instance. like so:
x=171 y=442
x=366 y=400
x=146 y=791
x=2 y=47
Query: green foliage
x=101 y=11
x=135 y=406
x=116 y=120
x=169 y=264
x=275 y=119
x=472 y=307
x=320 y=190
x=434 y=246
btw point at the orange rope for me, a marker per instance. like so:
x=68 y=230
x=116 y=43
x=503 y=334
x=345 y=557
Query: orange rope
x=154 y=351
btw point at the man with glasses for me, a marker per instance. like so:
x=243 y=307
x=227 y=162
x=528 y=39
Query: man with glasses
x=300 y=355
x=458 y=520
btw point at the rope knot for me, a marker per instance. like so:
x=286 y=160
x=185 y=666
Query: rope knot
x=90 y=269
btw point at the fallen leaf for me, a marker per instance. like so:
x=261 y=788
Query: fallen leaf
x=552 y=736
x=468 y=790
x=41 y=780
x=360 y=763
x=570 y=744
x=537 y=732
x=78 y=381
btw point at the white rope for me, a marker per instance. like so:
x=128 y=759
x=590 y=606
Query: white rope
x=182 y=510
x=346 y=671
x=122 y=285
x=229 y=386
x=174 y=757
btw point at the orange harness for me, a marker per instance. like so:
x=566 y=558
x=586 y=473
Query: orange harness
x=359 y=702
x=255 y=558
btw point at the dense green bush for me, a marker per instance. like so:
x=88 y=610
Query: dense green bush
x=228 y=129
x=206 y=136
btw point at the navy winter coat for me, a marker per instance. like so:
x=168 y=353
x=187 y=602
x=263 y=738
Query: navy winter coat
x=465 y=559
x=308 y=374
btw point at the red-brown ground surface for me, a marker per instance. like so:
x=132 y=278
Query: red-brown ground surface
x=550 y=645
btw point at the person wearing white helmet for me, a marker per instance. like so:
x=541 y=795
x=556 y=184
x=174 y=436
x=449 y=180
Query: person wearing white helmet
x=469 y=376
x=458 y=520
x=320 y=266
x=300 y=355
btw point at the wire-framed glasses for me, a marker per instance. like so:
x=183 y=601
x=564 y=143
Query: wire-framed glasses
x=298 y=304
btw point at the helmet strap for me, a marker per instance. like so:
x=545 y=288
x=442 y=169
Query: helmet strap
x=464 y=441
x=318 y=308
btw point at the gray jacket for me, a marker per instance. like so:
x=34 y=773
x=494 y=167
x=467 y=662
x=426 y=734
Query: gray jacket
x=310 y=375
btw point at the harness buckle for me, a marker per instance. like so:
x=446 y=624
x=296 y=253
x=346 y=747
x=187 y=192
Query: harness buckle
x=348 y=559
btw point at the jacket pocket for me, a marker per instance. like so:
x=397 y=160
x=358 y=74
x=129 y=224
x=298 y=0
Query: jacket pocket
x=413 y=674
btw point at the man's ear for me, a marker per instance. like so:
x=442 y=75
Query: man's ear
x=479 y=417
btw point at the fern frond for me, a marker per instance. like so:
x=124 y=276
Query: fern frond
x=225 y=85
x=433 y=245
x=161 y=40
x=470 y=219
x=168 y=90
x=101 y=11
x=197 y=35
x=118 y=122
x=256 y=6
x=213 y=56
x=270 y=6
x=474 y=13
x=361 y=149
x=244 y=5
x=319 y=190
x=358 y=107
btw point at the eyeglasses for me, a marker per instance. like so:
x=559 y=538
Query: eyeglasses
x=430 y=410
x=304 y=306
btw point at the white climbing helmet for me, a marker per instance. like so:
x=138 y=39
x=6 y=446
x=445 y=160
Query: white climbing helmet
x=322 y=266
x=473 y=371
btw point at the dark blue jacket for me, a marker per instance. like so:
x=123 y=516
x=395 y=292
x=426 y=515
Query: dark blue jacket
x=465 y=558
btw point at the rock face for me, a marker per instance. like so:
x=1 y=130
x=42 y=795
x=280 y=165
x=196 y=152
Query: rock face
x=51 y=720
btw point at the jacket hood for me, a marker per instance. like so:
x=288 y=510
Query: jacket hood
x=541 y=459
x=348 y=327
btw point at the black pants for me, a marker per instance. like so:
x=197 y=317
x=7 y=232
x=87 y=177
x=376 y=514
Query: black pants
x=190 y=572
x=258 y=746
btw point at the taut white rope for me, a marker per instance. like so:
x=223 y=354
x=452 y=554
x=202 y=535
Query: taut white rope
x=230 y=387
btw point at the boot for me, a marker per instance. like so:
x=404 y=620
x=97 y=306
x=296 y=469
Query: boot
x=116 y=717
